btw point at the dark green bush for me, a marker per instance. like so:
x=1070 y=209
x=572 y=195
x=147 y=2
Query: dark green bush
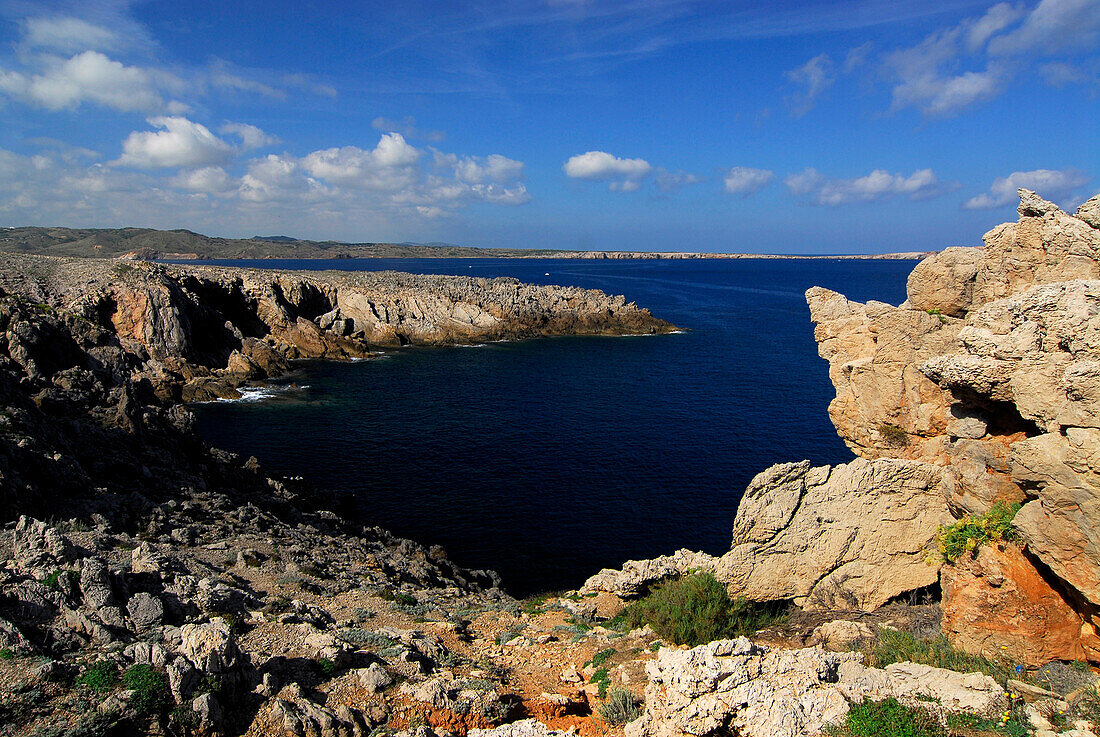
x=888 y=718
x=150 y=688
x=697 y=609
x=100 y=676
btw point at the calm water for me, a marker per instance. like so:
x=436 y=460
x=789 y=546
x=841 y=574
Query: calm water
x=549 y=459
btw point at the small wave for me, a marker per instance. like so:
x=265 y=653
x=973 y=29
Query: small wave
x=470 y=345
x=254 y=394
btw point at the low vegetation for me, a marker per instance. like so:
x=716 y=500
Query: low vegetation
x=620 y=707
x=150 y=688
x=972 y=531
x=887 y=718
x=895 y=646
x=697 y=609
x=893 y=436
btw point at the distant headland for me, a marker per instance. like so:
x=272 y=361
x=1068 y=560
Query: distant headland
x=151 y=244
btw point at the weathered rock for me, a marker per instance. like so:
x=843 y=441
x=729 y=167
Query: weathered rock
x=145 y=610
x=209 y=647
x=850 y=536
x=36 y=546
x=522 y=728
x=95 y=584
x=636 y=576
x=1089 y=212
x=944 y=283
x=998 y=605
x=840 y=635
x=373 y=678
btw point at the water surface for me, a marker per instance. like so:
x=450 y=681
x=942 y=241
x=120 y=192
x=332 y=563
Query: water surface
x=549 y=459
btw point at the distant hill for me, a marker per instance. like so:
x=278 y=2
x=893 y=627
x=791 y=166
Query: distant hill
x=147 y=243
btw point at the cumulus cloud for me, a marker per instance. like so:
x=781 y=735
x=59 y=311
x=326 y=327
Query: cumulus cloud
x=599 y=165
x=391 y=165
x=1049 y=183
x=209 y=179
x=179 y=143
x=87 y=77
x=811 y=79
x=923 y=82
x=251 y=136
x=744 y=181
x=877 y=185
x=480 y=170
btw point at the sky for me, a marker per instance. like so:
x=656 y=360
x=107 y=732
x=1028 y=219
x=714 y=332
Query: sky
x=740 y=126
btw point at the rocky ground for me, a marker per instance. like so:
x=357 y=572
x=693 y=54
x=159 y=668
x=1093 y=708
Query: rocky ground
x=150 y=584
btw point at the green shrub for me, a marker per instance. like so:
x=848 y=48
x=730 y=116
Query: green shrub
x=602 y=678
x=893 y=436
x=327 y=666
x=601 y=657
x=7 y=654
x=895 y=646
x=697 y=609
x=888 y=718
x=970 y=532
x=149 y=686
x=100 y=676
x=620 y=707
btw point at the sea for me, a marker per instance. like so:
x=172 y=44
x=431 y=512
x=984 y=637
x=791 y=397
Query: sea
x=549 y=459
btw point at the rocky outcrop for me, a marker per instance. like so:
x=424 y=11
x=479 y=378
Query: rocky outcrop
x=198 y=332
x=842 y=537
x=998 y=605
x=736 y=687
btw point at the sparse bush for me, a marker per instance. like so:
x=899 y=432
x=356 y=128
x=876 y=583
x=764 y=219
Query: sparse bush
x=887 y=718
x=7 y=654
x=893 y=436
x=970 y=532
x=149 y=686
x=620 y=707
x=602 y=678
x=327 y=667
x=601 y=657
x=697 y=609
x=100 y=676
x=895 y=646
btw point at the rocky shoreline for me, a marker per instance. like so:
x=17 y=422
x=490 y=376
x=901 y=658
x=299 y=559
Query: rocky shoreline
x=151 y=584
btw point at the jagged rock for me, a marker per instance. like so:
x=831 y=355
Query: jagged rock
x=636 y=576
x=147 y=559
x=522 y=728
x=998 y=605
x=36 y=546
x=849 y=536
x=210 y=647
x=209 y=712
x=183 y=678
x=945 y=282
x=373 y=678
x=95 y=584
x=753 y=691
x=1089 y=211
x=149 y=653
x=145 y=610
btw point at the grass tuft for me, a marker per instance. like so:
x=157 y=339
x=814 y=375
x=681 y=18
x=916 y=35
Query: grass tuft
x=697 y=609
x=100 y=676
x=887 y=718
x=620 y=707
x=895 y=646
x=150 y=688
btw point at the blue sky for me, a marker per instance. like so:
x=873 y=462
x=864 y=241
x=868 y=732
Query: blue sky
x=798 y=127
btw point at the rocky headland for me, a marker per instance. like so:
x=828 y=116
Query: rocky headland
x=151 y=584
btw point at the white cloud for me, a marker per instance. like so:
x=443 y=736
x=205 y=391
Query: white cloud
x=601 y=165
x=251 y=136
x=877 y=185
x=744 y=180
x=68 y=35
x=89 y=76
x=924 y=83
x=995 y=20
x=181 y=142
x=478 y=170
x=1053 y=27
x=276 y=178
x=812 y=79
x=389 y=166
x=1049 y=183
x=209 y=179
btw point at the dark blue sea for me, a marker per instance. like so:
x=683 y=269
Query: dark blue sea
x=549 y=459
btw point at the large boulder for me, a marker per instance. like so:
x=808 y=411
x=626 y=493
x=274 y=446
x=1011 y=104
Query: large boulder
x=997 y=604
x=851 y=536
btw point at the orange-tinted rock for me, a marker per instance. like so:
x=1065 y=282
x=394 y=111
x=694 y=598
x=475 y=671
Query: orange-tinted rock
x=999 y=605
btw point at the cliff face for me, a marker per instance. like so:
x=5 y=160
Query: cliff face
x=197 y=333
x=990 y=371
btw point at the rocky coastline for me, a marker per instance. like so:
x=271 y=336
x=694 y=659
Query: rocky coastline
x=150 y=584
